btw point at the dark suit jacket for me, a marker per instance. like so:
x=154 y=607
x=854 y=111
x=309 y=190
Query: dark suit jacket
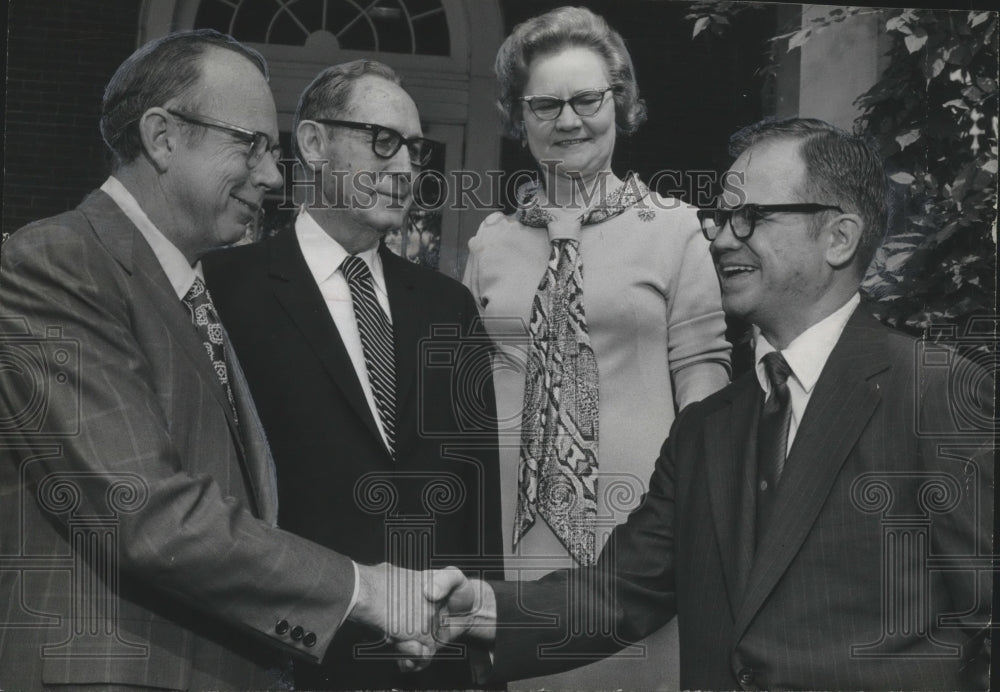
x=114 y=424
x=873 y=573
x=335 y=476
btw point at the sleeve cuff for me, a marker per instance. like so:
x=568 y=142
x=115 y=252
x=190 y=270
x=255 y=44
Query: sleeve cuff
x=354 y=595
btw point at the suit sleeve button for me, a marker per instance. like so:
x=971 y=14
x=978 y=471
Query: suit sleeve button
x=745 y=676
x=281 y=627
x=297 y=633
x=309 y=639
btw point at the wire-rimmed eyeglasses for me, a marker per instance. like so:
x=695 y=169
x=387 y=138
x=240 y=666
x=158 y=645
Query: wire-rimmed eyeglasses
x=387 y=141
x=743 y=219
x=259 y=142
x=584 y=104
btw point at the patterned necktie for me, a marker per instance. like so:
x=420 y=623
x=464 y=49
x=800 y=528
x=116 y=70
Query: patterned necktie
x=376 y=342
x=206 y=321
x=557 y=470
x=772 y=435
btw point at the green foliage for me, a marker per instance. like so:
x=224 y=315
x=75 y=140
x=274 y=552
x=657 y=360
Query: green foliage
x=933 y=113
x=716 y=15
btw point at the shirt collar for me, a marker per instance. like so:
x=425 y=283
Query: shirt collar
x=807 y=354
x=179 y=273
x=324 y=255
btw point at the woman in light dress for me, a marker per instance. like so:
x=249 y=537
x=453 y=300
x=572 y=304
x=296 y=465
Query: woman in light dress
x=605 y=309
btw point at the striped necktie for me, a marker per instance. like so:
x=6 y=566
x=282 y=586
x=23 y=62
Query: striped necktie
x=376 y=342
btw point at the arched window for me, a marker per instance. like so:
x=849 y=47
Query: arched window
x=416 y=27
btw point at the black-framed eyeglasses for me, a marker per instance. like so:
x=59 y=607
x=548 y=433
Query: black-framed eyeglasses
x=743 y=219
x=583 y=104
x=259 y=142
x=387 y=141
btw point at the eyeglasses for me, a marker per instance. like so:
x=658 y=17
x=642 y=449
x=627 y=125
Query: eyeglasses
x=743 y=219
x=260 y=142
x=387 y=141
x=583 y=104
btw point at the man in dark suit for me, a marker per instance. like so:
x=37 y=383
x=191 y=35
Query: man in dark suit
x=138 y=537
x=366 y=394
x=825 y=521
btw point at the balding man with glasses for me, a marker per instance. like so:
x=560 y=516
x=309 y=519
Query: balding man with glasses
x=824 y=522
x=369 y=374
x=139 y=538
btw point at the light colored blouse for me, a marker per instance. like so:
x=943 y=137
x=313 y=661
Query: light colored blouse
x=653 y=308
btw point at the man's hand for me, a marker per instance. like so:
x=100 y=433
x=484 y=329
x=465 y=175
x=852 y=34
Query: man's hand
x=391 y=600
x=470 y=609
x=466 y=608
x=407 y=606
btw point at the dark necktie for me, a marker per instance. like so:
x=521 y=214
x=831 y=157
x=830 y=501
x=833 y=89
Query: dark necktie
x=557 y=471
x=772 y=435
x=206 y=321
x=376 y=342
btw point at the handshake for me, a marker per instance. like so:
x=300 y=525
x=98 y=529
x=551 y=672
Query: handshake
x=420 y=612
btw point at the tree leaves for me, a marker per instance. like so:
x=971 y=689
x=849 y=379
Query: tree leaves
x=916 y=39
x=798 y=38
x=977 y=18
x=701 y=25
x=906 y=139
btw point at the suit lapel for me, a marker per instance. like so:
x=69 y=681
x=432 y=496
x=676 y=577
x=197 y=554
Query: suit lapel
x=296 y=291
x=130 y=249
x=838 y=412
x=258 y=457
x=132 y=252
x=407 y=316
x=728 y=437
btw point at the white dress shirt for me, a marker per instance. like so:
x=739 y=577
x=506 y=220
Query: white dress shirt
x=179 y=273
x=806 y=355
x=324 y=256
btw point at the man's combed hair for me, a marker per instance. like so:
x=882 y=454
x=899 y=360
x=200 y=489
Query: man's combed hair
x=157 y=72
x=841 y=168
x=552 y=32
x=329 y=94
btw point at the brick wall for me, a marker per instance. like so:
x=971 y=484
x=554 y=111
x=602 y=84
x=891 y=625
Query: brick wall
x=60 y=56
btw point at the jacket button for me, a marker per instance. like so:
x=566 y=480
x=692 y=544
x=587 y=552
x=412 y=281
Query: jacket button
x=309 y=639
x=745 y=676
x=297 y=633
x=281 y=627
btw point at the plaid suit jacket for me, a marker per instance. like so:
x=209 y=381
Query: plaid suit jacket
x=138 y=539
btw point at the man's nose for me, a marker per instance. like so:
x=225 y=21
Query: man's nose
x=726 y=239
x=269 y=173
